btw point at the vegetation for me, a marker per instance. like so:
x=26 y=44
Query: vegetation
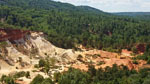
x=135 y=62
x=11 y=79
x=3 y=44
x=67 y=25
x=46 y=64
x=109 y=75
x=146 y=55
x=7 y=80
x=134 y=49
x=19 y=74
x=101 y=62
x=79 y=57
x=42 y=63
x=40 y=80
x=56 y=76
x=114 y=75
x=27 y=75
x=138 y=15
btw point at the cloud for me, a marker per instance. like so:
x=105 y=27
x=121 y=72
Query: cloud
x=114 y=5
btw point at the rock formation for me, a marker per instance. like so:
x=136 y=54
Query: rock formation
x=29 y=47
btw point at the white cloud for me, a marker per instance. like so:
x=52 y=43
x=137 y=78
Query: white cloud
x=146 y=4
x=114 y=5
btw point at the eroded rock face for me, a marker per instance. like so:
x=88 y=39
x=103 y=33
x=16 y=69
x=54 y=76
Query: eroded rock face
x=12 y=34
x=33 y=46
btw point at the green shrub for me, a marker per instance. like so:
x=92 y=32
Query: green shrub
x=110 y=49
x=37 y=80
x=134 y=50
x=20 y=74
x=79 y=57
x=42 y=63
x=36 y=66
x=47 y=81
x=3 y=44
x=135 y=62
x=101 y=62
x=27 y=74
x=56 y=76
x=7 y=79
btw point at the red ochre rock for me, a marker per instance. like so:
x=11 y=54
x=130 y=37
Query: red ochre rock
x=12 y=34
x=141 y=48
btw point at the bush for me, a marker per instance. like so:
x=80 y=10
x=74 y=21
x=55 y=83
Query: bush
x=37 y=80
x=74 y=76
x=110 y=49
x=135 y=62
x=20 y=74
x=101 y=62
x=134 y=50
x=133 y=54
x=36 y=66
x=7 y=79
x=42 y=63
x=47 y=81
x=3 y=44
x=56 y=76
x=79 y=57
x=27 y=74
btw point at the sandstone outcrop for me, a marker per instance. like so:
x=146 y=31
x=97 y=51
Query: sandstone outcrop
x=29 y=47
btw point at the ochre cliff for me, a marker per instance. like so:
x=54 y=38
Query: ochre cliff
x=29 y=47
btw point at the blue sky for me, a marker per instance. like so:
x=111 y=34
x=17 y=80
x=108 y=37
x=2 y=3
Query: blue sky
x=114 y=5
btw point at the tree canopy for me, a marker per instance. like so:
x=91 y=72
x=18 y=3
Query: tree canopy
x=68 y=26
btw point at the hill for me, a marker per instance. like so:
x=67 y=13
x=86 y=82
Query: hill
x=68 y=26
x=133 y=13
x=47 y=5
x=90 y=9
x=137 y=15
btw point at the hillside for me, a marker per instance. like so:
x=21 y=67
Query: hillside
x=48 y=5
x=133 y=13
x=23 y=52
x=136 y=15
x=68 y=26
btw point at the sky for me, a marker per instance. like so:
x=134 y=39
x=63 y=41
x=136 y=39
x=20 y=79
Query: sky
x=114 y=5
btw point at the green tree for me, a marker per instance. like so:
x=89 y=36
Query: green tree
x=134 y=49
x=47 y=81
x=37 y=80
x=27 y=74
x=42 y=63
x=7 y=79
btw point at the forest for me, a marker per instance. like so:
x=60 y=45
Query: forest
x=137 y=15
x=68 y=26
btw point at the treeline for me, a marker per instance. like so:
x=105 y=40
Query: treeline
x=68 y=26
x=115 y=75
x=109 y=75
x=137 y=15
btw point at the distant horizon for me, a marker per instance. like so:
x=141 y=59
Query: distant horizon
x=113 y=6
